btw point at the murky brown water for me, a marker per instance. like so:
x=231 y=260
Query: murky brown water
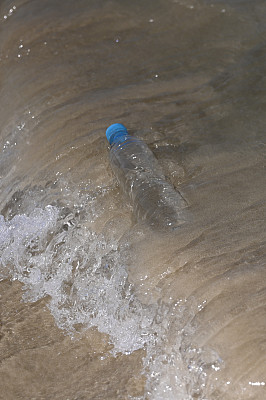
x=93 y=305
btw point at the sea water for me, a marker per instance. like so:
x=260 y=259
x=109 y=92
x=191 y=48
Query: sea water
x=93 y=304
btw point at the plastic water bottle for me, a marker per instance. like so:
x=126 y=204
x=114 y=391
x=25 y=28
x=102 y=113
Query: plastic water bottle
x=141 y=177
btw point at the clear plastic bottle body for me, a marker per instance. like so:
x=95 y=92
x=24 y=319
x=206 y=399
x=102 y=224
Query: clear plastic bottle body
x=141 y=177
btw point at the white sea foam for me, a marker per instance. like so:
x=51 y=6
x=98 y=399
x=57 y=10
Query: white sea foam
x=56 y=253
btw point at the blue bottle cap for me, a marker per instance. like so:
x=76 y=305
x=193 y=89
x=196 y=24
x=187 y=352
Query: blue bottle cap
x=115 y=131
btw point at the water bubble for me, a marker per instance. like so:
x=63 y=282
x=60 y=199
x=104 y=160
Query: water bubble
x=257 y=383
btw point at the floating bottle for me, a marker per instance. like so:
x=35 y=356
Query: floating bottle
x=138 y=172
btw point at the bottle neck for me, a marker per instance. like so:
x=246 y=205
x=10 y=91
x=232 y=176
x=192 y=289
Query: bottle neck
x=118 y=140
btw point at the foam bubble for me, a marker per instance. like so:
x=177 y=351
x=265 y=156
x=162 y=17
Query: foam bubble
x=21 y=236
x=54 y=252
x=57 y=256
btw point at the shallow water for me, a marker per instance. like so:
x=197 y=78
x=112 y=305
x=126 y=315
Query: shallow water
x=93 y=304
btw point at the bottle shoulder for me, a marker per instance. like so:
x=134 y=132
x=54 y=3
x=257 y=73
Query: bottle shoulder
x=135 y=154
x=127 y=140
